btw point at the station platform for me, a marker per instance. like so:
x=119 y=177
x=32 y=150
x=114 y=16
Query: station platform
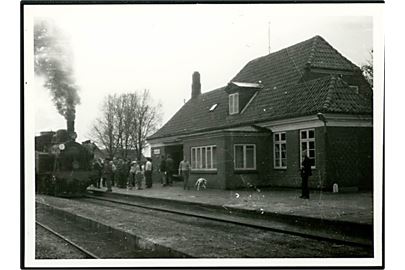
x=349 y=207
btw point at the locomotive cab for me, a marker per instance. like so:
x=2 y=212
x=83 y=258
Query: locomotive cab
x=65 y=169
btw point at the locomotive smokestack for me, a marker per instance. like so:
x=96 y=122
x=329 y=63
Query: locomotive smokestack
x=70 y=126
x=71 y=129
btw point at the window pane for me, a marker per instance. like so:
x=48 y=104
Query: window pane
x=198 y=161
x=230 y=104
x=284 y=162
x=239 y=156
x=312 y=161
x=283 y=153
x=312 y=153
x=250 y=156
x=193 y=158
x=236 y=103
x=303 y=134
x=277 y=155
x=303 y=147
x=311 y=145
x=283 y=136
x=209 y=158
x=311 y=134
x=214 y=157
x=204 y=158
x=277 y=137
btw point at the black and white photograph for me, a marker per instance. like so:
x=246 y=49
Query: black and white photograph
x=203 y=135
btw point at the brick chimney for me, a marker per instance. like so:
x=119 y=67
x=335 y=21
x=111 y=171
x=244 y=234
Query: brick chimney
x=196 y=85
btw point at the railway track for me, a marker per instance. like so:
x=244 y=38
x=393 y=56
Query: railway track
x=87 y=253
x=235 y=220
x=118 y=228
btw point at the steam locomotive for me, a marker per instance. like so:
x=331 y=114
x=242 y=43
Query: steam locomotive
x=63 y=167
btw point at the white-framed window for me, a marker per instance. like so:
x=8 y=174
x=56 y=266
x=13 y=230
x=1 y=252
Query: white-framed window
x=280 y=150
x=204 y=157
x=234 y=103
x=307 y=145
x=245 y=156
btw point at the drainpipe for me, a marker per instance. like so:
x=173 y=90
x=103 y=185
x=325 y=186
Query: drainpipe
x=322 y=117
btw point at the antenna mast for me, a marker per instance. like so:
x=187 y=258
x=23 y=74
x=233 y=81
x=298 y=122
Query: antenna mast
x=269 y=39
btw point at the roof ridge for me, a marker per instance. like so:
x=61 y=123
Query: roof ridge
x=284 y=49
x=331 y=88
x=312 y=52
x=353 y=66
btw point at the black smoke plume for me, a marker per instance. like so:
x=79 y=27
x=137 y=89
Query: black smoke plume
x=53 y=61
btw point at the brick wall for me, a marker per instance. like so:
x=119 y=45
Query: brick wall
x=240 y=178
x=350 y=157
x=347 y=161
x=290 y=177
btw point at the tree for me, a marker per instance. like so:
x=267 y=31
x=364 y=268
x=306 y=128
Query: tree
x=147 y=118
x=126 y=121
x=104 y=129
x=368 y=69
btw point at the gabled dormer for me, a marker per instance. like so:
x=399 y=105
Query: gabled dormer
x=240 y=94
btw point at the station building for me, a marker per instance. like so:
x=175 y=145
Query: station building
x=304 y=99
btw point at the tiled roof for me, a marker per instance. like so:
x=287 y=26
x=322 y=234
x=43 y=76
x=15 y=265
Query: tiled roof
x=284 y=94
x=288 y=65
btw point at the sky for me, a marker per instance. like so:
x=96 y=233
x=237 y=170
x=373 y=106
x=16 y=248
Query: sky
x=119 y=49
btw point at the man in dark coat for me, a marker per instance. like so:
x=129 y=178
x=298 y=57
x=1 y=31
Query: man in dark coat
x=305 y=173
x=162 y=170
x=108 y=173
x=98 y=168
x=169 y=170
x=148 y=173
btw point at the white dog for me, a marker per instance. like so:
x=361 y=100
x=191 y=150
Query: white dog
x=201 y=182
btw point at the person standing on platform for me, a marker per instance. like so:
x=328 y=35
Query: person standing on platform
x=138 y=176
x=148 y=173
x=169 y=170
x=125 y=170
x=306 y=172
x=114 y=170
x=108 y=173
x=120 y=181
x=184 y=171
x=162 y=170
x=99 y=169
x=132 y=171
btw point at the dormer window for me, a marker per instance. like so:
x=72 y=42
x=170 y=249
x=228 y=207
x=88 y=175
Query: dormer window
x=234 y=103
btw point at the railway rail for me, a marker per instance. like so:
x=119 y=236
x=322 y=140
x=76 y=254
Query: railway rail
x=88 y=254
x=235 y=220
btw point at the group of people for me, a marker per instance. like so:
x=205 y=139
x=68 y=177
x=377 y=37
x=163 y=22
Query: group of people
x=123 y=173
x=167 y=170
x=131 y=174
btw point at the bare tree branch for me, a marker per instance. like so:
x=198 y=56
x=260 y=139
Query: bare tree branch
x=126 y=121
